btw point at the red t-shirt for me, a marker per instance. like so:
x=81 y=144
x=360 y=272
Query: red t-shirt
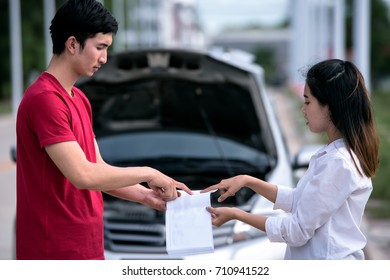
x=54 y=219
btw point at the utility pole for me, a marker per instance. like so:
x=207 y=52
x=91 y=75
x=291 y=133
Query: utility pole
x=48 y=12
x=299 y=43
x=310 y=27
x=362 y=38
x=119 y=11
x=16 y=54
x=339 y=29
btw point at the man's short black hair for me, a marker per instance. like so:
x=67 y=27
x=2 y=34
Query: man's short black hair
x=82 y=19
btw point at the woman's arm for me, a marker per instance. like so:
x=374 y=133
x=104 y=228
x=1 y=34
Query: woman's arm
x=229 y=187
x=222 y=215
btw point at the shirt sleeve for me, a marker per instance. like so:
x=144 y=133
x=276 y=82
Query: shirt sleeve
x=50 y=119
x=330 y=186
x=284 y=198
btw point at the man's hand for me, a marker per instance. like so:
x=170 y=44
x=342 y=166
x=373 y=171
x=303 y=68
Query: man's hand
x=166 y=187
x=154 y=200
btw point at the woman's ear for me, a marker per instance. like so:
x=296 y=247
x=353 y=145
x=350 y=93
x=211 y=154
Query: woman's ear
x=329 y=114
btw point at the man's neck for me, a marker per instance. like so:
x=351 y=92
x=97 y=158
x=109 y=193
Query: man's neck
x=59 y=68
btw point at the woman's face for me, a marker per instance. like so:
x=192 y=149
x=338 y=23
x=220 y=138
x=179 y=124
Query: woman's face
x=317 y=115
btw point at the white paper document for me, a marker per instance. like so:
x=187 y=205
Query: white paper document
x=188 y=225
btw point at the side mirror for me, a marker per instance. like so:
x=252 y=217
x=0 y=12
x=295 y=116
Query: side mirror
x=13 y=153
x=302 y=158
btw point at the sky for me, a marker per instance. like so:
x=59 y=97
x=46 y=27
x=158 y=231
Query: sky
x=216 y=14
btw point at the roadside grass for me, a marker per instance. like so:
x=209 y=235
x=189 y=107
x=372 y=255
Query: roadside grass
x=378 y=209
x=5 y=107
x=381 y=181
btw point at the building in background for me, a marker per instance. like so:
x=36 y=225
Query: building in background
x=156 y=23
x=270 y=47
x=316 y=31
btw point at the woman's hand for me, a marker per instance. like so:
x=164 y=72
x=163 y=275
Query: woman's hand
x=221 y=215
x=227 y=187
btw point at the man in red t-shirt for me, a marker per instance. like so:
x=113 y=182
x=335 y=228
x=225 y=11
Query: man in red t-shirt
x=60 y=172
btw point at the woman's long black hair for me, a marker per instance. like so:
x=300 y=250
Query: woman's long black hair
x=340 y=85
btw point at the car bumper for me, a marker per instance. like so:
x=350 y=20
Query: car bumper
x=260 y=248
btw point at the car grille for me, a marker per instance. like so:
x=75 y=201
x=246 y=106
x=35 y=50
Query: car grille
x=135 y=231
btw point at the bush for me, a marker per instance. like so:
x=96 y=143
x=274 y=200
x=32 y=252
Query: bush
x=380 y=100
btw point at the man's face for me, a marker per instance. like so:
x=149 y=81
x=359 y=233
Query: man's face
x=94 y=54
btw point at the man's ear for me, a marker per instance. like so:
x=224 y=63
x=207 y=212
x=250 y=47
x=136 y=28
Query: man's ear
x=71 y=44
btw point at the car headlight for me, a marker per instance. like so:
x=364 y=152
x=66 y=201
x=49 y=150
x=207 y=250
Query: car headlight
x=243 y=232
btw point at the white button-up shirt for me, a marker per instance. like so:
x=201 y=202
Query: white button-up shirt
x=326 y=209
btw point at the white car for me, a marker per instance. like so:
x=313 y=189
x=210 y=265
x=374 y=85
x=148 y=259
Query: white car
x=199 y=117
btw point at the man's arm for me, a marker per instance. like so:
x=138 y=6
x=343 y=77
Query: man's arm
x=71 y=160
x=136 y=193
x=140 y=194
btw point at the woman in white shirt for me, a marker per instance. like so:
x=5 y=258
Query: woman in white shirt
x=328 y=203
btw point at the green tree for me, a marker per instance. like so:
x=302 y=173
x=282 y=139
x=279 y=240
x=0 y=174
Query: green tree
x=4 y=49
x=380 y=40
x=32 y=42
x=33 y=45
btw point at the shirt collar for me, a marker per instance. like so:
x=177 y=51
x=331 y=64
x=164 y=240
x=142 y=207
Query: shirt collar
x=336 y=144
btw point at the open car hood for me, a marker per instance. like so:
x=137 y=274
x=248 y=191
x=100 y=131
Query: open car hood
x=178 y=90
